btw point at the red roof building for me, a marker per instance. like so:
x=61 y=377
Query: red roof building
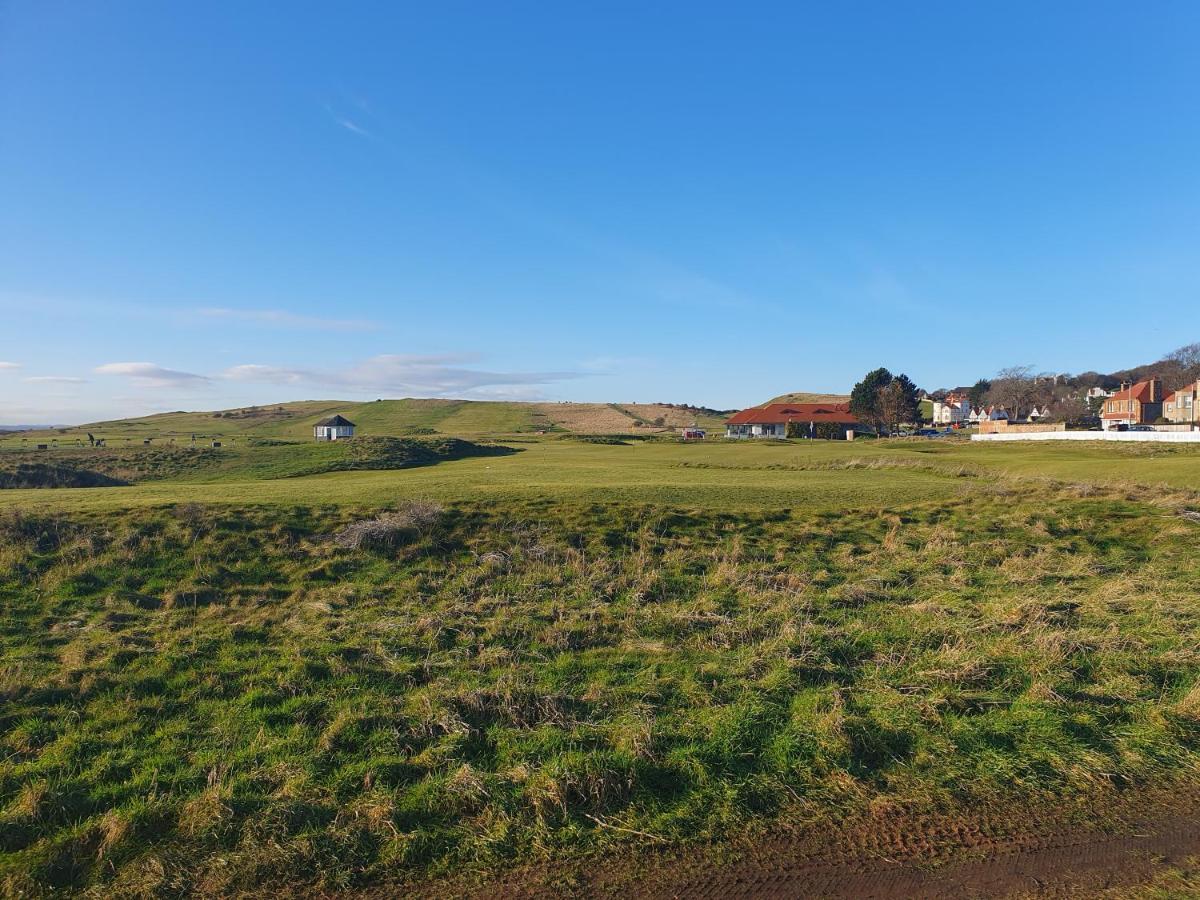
x=1138 y=404
x=772 y=420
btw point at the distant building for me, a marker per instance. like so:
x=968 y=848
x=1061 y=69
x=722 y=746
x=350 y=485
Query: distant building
x=808 y=419
x=1094 y=392
x=1182 y=405
x=952 y=410
x=334 y=428
x=1137 y=404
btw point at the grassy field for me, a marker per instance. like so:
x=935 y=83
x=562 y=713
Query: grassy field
x=710 y=475
x=229 y=675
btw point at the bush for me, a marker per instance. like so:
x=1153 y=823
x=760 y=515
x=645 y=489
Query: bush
x=390 y=530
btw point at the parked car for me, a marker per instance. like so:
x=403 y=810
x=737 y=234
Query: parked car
x=928 y=432
x=1141 y=428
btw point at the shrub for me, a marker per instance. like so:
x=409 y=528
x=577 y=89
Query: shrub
x=392 y=529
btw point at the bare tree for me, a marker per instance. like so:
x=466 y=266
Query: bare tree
x=1014 y=388
x=1184 y=366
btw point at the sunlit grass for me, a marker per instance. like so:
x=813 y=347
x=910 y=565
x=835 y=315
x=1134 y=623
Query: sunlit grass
x=210 y=698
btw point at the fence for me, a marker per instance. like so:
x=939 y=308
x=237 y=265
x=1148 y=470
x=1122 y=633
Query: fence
x=1177 y=437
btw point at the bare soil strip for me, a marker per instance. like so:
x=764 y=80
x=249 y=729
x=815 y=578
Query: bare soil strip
x=1111 y=840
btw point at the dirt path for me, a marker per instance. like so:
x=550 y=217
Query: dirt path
x=1112 y=840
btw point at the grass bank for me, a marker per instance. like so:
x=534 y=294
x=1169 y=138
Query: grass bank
x=212 y=698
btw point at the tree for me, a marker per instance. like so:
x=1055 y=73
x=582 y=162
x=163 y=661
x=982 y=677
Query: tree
x=898 y=402
x=1014 y=388
x=978 y=392
x=1184 y=367
x=865 y=399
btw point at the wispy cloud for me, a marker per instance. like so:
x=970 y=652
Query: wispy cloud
x=151 y=375
x=353 y=125
x=283 y=319
x=54 y=379
x=400 y=374
x=9 y=365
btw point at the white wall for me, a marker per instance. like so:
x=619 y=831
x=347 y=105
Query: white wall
x=1179 y=437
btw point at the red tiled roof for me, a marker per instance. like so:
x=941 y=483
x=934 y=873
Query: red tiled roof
x=1140 y=392
x=779 y=413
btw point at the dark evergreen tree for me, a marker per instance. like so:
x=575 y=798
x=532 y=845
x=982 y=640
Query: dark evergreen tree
x=865 y=400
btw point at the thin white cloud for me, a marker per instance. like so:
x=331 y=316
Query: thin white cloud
x=9 y=365
x=351 y=126
x=54 y=379
x=281 y=318
x=444 y=375
x=151 y=374
x=348 y=123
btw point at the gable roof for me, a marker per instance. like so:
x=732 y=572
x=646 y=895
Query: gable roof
x=781 y=413
x=1140 y=392
x=333 y=421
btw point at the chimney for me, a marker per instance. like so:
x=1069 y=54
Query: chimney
x=1155 y=389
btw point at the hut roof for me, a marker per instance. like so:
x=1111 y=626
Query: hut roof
x=334 y=421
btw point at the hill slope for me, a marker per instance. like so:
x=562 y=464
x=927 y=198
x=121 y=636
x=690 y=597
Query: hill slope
x=380 y=418
x=806 y=397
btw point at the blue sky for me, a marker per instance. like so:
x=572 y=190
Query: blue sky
x=212 y=204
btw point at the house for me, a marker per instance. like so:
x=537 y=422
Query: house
x=335 y=428
x=1094 y=392
x=977 y=415
x=1035 y=413
x=952 y=410
x=1182 y=405
x=807 y=420
x=1137 y=404
x=995 y=414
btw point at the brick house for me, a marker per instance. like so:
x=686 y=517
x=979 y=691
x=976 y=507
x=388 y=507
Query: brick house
x=1138 y=404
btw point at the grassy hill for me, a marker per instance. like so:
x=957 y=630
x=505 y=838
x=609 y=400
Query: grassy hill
x=807 y=397
x=380 y=418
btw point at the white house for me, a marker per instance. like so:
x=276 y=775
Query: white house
x=334 y=428
x=953 y=409
x=1035 y=413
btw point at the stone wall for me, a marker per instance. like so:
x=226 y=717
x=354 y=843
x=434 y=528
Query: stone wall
x=1003 y=426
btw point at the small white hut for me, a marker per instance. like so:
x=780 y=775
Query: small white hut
x=334 y=428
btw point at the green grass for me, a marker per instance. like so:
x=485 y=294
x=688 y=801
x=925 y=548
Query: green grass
x=711 y=475
x=206 y=687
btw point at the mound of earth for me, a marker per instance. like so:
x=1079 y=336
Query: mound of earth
x=381 y=453
x=54 y=475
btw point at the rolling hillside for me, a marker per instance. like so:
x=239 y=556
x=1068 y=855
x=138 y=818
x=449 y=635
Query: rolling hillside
x=395 y=418
x=806 y=397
